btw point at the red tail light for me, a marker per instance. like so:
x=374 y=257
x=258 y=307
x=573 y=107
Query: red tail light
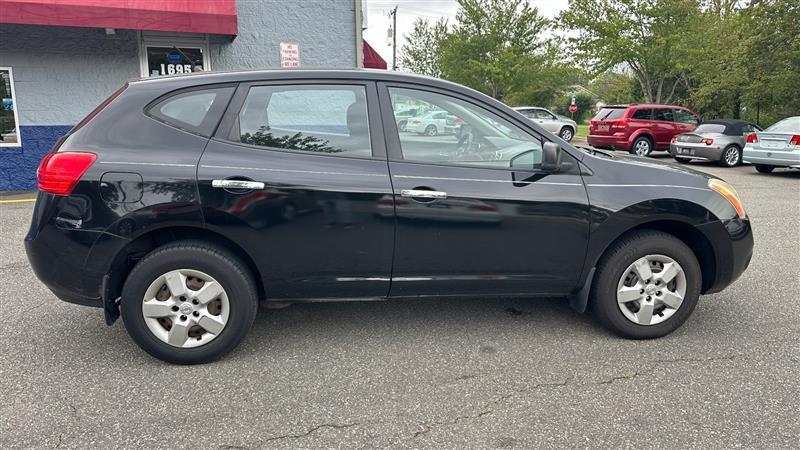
x=795 y=140
x=674 y=139
x=416 y=122
x=752 y=138
x=619 y=124
x=708 y=141
x=59 y=172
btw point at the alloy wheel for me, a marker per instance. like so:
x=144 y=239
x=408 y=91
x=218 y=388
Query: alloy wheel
x=732 y=156
x=185 y=308
x=566 y=134
x=651 y=289
x=642 y=147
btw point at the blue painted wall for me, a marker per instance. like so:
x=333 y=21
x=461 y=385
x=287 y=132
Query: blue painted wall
x=18 y=164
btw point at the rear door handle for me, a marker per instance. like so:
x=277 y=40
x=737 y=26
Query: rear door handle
x=237 y=184
x=422 y=193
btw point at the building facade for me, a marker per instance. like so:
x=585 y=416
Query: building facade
x=59 y=60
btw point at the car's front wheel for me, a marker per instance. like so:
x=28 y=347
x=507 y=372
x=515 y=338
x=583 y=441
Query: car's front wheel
x=188 y=302
x=566 y=134
x=763 y=168
x=646 y=285
x=731 y=156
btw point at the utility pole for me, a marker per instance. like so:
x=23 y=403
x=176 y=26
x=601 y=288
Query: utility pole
x=393 y=13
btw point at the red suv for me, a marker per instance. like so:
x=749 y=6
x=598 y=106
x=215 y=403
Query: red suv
x=640 y=129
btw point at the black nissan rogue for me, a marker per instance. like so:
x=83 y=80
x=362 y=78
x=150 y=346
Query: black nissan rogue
x=180 y=203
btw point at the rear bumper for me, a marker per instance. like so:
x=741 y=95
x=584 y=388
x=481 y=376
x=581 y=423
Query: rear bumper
x=612 y=142
x=732 y=242
x=769 y=157
x=696 y=151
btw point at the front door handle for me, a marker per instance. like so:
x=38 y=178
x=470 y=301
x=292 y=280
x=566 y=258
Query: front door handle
x=422 y=193
x=237 y=184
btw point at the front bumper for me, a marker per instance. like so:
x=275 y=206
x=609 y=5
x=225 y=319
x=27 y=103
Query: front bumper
x=771 y=157
x=695 y=151
x=732 y=243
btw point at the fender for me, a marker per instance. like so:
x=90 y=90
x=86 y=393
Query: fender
x=638 y=133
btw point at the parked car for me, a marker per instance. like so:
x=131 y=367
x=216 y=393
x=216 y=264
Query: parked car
x=403 y=116
x=777 y=146
x=507 y=210
x=639 y=129
x=432 y=123
x=564 y=127
x=720 y=140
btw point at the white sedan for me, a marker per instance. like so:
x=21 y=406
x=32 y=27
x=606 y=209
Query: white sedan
x=433 y=123
x=777 y=146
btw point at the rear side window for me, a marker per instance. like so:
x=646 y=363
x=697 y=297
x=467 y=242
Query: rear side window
x=196 y=110
x=328 y=119
x=663 y=114
x=643 y=114
x=609 y=114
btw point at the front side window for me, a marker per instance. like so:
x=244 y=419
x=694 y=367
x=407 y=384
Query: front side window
x=311 y=118
x=9 y=121
x=470 y=135
x=683 y=116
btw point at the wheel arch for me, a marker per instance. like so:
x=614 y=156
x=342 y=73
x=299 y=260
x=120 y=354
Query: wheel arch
x=641 y=133
x=133 y=251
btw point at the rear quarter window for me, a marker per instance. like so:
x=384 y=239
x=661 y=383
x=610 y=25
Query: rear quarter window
x=197 y=110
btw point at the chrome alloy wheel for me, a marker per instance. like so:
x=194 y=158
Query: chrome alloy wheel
x=642 y=147
x=732 y=156
x=566 y=134
x=185 y=308
x=651 y=289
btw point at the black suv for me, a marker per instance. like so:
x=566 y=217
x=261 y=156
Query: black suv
x=182 y=202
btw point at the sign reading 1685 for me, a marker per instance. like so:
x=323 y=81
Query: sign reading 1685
x=172 y=69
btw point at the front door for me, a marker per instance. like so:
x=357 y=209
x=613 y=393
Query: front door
x=469 y=223
x=295 y=175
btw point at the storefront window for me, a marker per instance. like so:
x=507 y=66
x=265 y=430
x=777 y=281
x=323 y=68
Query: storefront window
x=9 y=121
x=173 y=60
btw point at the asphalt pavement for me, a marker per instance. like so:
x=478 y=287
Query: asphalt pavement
x=427 y=373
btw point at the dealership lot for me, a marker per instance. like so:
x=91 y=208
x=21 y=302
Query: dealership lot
x=477 y=372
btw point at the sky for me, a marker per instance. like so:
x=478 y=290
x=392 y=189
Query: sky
x=378 y=21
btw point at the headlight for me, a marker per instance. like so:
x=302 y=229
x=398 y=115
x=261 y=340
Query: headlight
x=726 y=190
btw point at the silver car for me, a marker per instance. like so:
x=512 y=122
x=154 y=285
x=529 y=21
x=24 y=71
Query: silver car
x=777 y=146
x=565 y=128
x=713 y=140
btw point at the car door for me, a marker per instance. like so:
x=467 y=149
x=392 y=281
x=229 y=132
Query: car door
x=664 y=126
x=467 y=223
x=685 y=121
x=547 y=121
x=294 y=175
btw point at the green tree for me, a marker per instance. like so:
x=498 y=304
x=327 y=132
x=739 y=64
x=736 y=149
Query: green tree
x=614 y=88
x=421 y=50
x=647 y=37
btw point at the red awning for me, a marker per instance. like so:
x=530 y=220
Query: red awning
x=372 y=60
x=186 y=16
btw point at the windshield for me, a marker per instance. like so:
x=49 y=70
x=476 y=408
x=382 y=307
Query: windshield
x=609 y=113
x=790 y=125
x=710 y=128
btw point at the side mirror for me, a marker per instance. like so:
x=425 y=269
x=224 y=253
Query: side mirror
x=551 y=157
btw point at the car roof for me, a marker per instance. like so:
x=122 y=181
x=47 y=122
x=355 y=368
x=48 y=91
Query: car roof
x=645 y=106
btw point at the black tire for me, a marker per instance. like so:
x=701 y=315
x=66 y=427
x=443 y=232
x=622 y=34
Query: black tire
x=683 y=160
x=220 y=264
x=616 y=260
x=431 y=130
x=639 y=141
x=764 y=168
x=723 y=159
x=566 y=133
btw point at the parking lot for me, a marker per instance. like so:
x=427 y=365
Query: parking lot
x=454 y=373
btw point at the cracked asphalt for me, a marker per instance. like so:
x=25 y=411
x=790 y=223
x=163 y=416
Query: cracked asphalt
x=427 y=374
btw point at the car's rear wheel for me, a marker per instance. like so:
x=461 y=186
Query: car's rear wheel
x=188 y=302
x=683 y=160
x=566 y=134
x=646 y=285
x=731 y=156
x=642 y=146
x=431 y=130
x=763 y=168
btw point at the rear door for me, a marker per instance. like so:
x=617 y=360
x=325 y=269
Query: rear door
x=467 y=222
x=294 y=175
x=663 y=126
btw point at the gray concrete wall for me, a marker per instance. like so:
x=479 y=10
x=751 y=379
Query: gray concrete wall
x=325 y=30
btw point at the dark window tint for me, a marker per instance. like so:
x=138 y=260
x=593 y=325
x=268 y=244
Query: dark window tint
x=683 y=116
x=643 y=114
x=609 y=114
x=663 y=114
x=197 y=110
x=312 y=118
